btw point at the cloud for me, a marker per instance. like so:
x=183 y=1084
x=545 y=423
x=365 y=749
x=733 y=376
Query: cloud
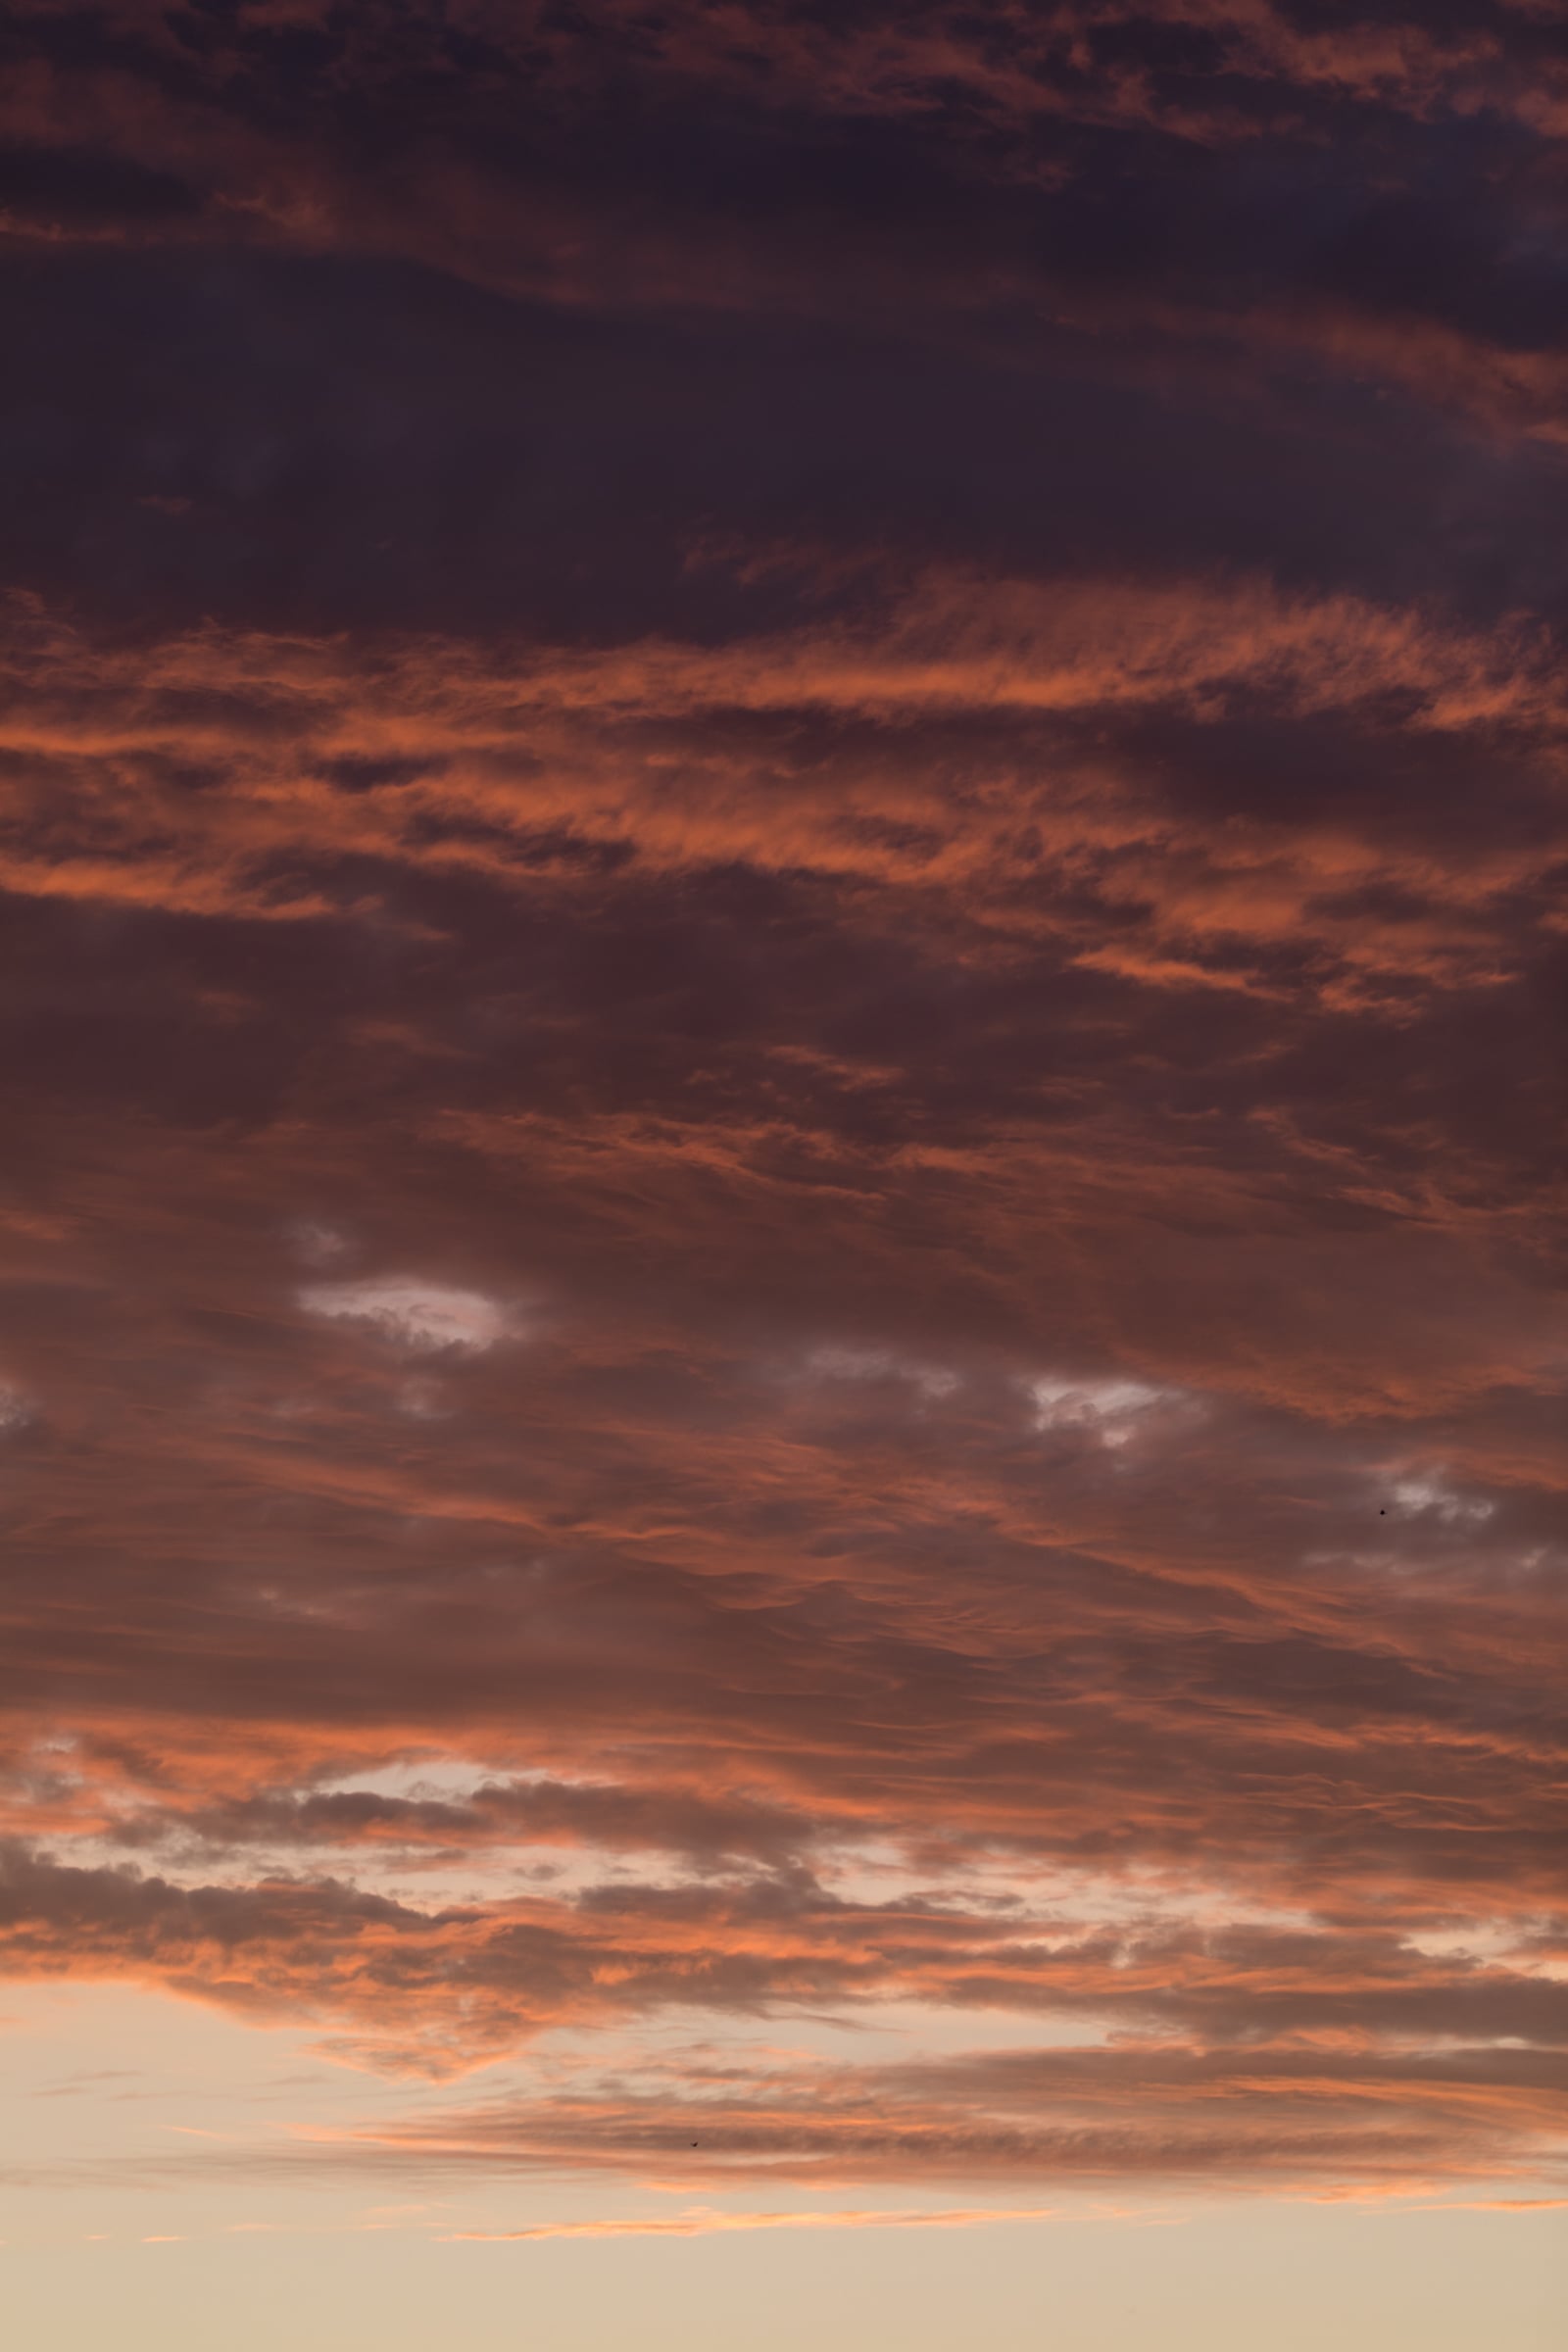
x=434 y=1991
x=1501 y=2205
x=706 y=2223
x=1004 y=186
x=874 y=1363
x=1413 y=1496
x=1113 y=1409
x=426 y=1316
x=1124 y=2116
x=640 y=769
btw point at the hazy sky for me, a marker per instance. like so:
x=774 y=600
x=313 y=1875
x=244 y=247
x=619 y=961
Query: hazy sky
x=781 y=1386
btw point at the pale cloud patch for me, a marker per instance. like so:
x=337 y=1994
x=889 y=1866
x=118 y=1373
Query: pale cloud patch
x=1108 y=1409
x=14 y=1411
x=881 y=1363
x=422 y=1400
x=317 y=1243
x=428 y=1316
x=1415 y=1497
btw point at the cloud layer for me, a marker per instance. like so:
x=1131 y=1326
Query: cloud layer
x=782 y=808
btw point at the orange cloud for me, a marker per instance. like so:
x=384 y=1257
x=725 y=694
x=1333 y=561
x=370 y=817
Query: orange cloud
x=706 y=2223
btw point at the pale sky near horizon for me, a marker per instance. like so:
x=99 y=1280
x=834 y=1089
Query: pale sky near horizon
x=782 y=851
x=181 y=2184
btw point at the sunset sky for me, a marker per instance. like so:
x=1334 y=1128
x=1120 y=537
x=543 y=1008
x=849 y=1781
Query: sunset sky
x=782 y=1376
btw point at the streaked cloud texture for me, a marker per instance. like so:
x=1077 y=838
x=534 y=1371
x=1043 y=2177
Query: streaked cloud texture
x=781 y=1390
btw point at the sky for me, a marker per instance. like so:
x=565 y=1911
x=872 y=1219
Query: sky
x=783 y=1345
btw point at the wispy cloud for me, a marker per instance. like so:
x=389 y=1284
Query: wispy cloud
x=704 y=2224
